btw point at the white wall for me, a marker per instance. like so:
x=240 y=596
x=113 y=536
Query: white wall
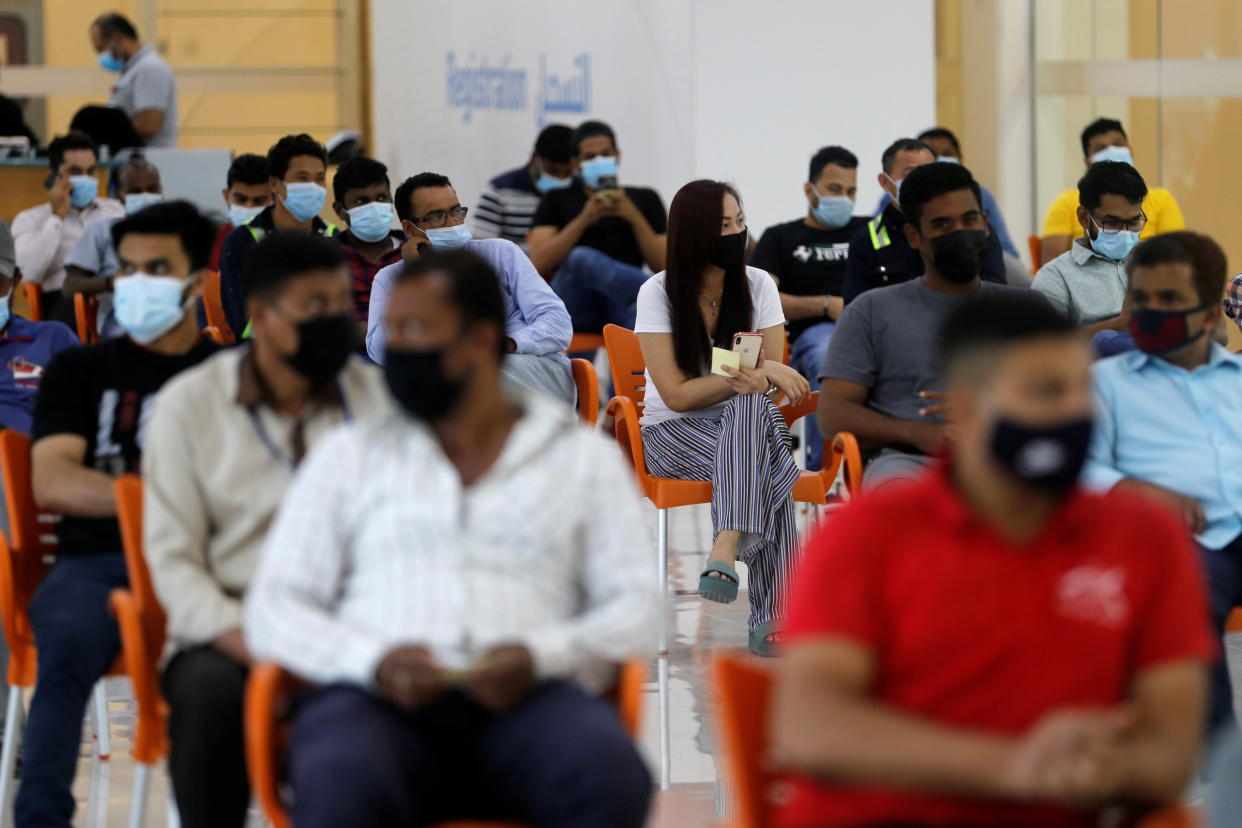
x=734 y=89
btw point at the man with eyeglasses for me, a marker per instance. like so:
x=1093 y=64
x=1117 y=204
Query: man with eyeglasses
x=537 y=326
x=1088 y=282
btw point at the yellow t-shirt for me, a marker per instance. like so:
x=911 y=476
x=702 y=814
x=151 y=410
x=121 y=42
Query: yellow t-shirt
x=1163 y=214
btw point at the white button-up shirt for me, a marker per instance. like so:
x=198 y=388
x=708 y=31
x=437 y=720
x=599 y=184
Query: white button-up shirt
x=378 y=545
x=43 y=239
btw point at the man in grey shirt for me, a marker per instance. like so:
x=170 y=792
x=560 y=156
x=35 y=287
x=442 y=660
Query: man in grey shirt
x=146 y=91
x=880 y=380
x=1088 y=282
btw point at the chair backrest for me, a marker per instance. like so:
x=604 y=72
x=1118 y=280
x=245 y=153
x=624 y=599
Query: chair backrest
x=34 y=301
x=213 y=333
x=214 y=307
x=1035 y=245
x=743 y=689
x=128 y=489
x=24 y=559
x=625 y=359
x=85 y=310
x=588 y=390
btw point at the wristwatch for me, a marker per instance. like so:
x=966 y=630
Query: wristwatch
x=827 y=299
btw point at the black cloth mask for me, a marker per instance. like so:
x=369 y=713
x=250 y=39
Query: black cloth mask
x=958 y=256
x=1047 y=457
x=418 y=382
x=324 y=346
x=729 y=251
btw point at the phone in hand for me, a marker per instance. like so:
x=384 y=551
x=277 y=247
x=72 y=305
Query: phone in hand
x=607 y=182
x=51 y=179
x=748 y=345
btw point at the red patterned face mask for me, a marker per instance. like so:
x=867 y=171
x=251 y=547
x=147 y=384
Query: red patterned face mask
x=1161 y=331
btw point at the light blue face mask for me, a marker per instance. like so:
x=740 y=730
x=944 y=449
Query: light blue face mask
x=546 y=183
x=84 y=189
x=371 y=222
x=1113 y=245
x=449 y=238
x=110 y=62
x=897 y=184
x=137 y=201
x=599 y=167
x=948 y=159
x=147 y=307
x=1121 y=154
x=304 y=199
x=239 y=215
x=5 y=301
x=833 y=211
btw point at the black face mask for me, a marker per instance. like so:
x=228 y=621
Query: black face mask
x=324 y=346
x=1049 y=458
x=728 y=251
x=417 y=381
x=958 y=256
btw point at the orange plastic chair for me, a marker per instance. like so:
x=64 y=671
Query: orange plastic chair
x=214 y=334
x=214 y=306
x=585 y=342
x=25 y=556
x=85 y=312
x=34 y=301
x=588 y=390
x=142 y=622
x=269 y=692
x=1034 y=244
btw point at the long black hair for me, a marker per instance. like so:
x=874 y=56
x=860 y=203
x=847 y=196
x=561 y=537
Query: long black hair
x=694 y=221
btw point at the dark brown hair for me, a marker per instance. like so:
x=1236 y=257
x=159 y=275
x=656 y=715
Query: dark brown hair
x=1206 y=260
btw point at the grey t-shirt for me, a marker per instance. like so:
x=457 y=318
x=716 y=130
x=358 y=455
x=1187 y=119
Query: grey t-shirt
x=145 y=83
x=887 y=341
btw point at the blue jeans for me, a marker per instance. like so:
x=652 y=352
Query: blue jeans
x=560 y=759
x=805 y=356
x=78 y=640
x=597 y=289
x=1224 y=577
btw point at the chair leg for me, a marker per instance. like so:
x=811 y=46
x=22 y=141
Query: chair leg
x=138 y=804
x=666 y=758
x=662 y=658
x=14 y=724
x=99 y=709
x=662 y=577
x=174 y=816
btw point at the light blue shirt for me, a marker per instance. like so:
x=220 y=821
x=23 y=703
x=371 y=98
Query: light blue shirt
x=536 y=319
x=1178 y=429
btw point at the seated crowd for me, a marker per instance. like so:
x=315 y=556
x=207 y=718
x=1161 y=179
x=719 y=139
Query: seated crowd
x=385 y=489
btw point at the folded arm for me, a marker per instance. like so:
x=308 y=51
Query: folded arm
x=547 y=328
x=63 y=484
x=36 y=244
x=843 y=407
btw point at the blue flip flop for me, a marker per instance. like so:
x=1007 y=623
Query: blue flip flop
x=759 y=643
x=721 y=590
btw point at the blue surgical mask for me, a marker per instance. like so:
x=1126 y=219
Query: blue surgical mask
x=137 y=201
x=147 y=307
x=1121 y=154
x=110 y=62
x=896 y=184
x=5 y=302
x=546 y=183
x=449 y=238
x=601 y=166
x=304 y=199
x=833 y=211
x=84 y=190
x=948 y=159
x=1113 y=245
x=371 y=222
x=239 y=215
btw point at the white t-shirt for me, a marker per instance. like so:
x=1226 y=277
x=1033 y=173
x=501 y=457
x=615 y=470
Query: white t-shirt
x=655 y=316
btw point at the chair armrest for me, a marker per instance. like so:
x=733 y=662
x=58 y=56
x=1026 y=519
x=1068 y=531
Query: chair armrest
x=843 y=448
x=629 y=435
x=150 y=733
x=793 y=413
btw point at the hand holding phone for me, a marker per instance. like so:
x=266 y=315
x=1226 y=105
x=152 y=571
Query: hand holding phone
x=748 y=345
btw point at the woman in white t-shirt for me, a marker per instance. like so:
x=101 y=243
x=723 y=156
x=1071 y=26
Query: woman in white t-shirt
x=700 y=426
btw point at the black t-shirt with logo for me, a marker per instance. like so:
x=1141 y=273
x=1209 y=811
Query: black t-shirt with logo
x=808 y=261
x=104 y=393
x=610 y=235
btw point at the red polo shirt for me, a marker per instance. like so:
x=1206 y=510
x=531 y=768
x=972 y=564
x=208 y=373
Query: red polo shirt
x=973 y=631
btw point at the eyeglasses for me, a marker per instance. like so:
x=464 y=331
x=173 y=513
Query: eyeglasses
x=438 y=218
x=1112 y=225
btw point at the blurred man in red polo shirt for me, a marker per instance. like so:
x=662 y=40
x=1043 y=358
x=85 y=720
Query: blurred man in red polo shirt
x=990 y=645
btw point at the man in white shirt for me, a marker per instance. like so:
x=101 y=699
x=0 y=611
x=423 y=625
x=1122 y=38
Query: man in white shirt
x=455 y=577
x=221 y=449
x=45 y=234
x=146 y=90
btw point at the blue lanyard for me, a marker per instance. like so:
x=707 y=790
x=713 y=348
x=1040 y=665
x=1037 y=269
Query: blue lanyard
x=274 y=449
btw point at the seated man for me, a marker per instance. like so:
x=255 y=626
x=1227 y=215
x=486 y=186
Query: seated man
x=1088 y=283
x=221 y=450
x=878 y=254
x=991 y=645
x=880 y=379
x=92 y=264
x=1167 y=414
x=537 y=327
x=452 y=623
x=807 y=257
x=297 y=169
x=1104 y=139
x=88 y=428
x=508 y=202
x=246 y=194
x=45 y=234
x=592 y=239
x=363 y=202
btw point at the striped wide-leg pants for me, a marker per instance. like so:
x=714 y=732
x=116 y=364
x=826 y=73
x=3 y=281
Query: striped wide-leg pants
x=746 y=455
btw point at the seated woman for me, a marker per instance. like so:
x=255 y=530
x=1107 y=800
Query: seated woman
x=701 y=426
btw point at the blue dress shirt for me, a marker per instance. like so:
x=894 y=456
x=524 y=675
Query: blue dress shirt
x=1175 y=428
